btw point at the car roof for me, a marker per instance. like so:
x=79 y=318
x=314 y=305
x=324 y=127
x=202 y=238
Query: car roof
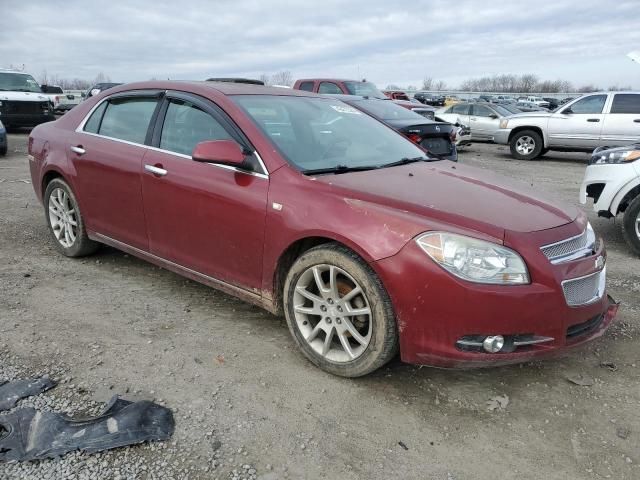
x=330 y=80
x=225 y=88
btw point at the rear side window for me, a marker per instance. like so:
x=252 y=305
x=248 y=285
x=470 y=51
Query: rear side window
x=626 y=103
x=185 y=125
x=307 y=86
x=460 y=109
x=93 y=124
x=128 y=119
x=328 y=87
x=589 y=105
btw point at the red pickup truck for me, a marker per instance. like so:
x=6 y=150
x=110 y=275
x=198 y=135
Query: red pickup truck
x=354 y=87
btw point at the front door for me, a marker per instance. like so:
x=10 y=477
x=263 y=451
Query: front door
x=483 y=125
x=206 y=217
x=579 y=124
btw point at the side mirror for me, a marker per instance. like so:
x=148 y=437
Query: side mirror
x=226 y=152
x=567 y=111
x=493 y=115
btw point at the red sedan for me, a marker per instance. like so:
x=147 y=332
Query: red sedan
x=308 y=207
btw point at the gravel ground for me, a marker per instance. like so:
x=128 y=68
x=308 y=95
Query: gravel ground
x=247 y=404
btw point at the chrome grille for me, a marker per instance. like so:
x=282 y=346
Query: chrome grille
x=571 y=248
x=585 y=290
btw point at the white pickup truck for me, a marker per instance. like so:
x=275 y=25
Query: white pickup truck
x=22 y=103
x=62 y=101
x=605 y=119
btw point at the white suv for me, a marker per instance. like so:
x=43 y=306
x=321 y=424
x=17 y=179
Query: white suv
x=612 y=179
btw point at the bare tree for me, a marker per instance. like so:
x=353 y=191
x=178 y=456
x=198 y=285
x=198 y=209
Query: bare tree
x=44 y=78
x=282 y=78
x=412 y=87
x=427 y=83
x=440 y=85
x=393 y=86
x=264 y=78
x=102 y=78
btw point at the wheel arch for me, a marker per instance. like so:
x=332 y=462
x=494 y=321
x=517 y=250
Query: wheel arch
x=625 y=196
x=291 y=253
x=49 y=175
x=538 y=130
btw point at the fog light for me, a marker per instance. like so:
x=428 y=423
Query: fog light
x=493 y=344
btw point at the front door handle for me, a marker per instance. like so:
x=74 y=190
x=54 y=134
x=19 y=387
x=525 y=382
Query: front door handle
x=159 y=171
x=637 y=120
x=78 y=149
x=596 y=120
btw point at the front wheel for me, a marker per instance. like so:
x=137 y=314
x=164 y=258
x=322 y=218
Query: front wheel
x=339 y=313
x=526 y=145
x=65 y=221
x=631 y=225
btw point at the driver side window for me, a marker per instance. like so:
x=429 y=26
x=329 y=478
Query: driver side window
x=589 y=105
x=186 y=125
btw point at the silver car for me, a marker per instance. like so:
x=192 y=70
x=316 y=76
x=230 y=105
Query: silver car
x=608 y=119
x=483 y=119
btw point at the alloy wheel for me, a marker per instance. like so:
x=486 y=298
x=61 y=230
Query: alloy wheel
x=332 y=313
x=62 y=217
x=525 y=145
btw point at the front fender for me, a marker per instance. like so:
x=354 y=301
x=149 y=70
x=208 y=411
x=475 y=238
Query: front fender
x=615 y=203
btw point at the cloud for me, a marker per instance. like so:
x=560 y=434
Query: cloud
x=582 y=41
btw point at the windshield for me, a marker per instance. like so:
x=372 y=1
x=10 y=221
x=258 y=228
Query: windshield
x=364 y=89
x=18 y=82
x=316 y=133
x=511 y=109
x=387 y=110
x=502 y=110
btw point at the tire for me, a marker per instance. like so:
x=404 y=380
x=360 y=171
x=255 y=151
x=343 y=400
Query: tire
x=371 y=338
x=60 y=204
x=631 y=225
x=526 y=145
x=3 y=151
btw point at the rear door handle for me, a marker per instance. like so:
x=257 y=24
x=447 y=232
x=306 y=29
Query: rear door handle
x=159 y=171
x=637 y=120
x=78 y=149
x=593 y=120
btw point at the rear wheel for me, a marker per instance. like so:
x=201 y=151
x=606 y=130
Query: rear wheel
x=65 y=220
x=339 y=313
x=3 y=151
x=526 y=145
x=631 y=225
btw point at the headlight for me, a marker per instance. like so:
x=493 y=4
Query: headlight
x=475 y=260
x=620 y=156
x=503 y=123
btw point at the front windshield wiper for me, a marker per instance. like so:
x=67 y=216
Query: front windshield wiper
x=339 y=169
x=359 y=168
x=406 y=160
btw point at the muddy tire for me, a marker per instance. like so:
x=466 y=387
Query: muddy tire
x=338 y=312
x=631 y=225
x=65 y=221
x=526 y=145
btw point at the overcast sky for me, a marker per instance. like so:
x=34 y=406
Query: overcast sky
x=585 y=42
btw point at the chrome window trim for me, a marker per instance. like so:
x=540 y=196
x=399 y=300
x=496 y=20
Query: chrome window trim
x=80 y=129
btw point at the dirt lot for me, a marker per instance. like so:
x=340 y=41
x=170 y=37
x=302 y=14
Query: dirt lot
x=247 y=401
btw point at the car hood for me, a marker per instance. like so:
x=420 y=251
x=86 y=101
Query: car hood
x=455 y=194
x=23 y=96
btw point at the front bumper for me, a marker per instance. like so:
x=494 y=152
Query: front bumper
x=501 y=136
x=434 y=310
x=26 y=120
x=608 y=180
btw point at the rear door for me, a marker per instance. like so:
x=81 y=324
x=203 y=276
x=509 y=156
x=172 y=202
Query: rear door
x=622 y=123
x=206 y=217
x=106 y=152
x=578 y=125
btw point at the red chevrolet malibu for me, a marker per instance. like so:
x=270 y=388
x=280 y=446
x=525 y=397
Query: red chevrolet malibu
x=308 y=207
